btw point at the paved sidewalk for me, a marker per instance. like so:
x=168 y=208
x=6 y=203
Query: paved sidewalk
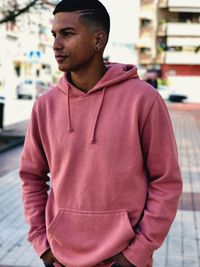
x=182 y=245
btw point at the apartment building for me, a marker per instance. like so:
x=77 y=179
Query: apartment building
x=170 y=38
x=26 y=49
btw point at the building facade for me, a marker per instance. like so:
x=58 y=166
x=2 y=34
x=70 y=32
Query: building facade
x=26 y=50
x=169 y=39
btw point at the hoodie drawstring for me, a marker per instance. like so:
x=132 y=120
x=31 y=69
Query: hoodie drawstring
x=93 y=139
x=115 y=74
x=70 y=129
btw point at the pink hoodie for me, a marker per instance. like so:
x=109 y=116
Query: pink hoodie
x=115 y=179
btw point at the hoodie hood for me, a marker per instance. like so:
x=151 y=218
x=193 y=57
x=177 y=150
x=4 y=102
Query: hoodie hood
x=115 y=74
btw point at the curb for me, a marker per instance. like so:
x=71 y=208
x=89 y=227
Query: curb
x=13 y=135
x=11 y=142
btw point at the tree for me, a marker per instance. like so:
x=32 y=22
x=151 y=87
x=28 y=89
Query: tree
x=11 y=9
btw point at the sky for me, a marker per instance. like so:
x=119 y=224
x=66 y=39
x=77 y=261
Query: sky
x=124 y=30
x=124 y=20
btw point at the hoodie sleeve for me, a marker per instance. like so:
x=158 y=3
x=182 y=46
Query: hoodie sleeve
x=164 y=184
x=33 y=173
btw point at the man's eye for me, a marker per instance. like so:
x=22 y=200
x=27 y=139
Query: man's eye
x=67 y=34
x=54 y=35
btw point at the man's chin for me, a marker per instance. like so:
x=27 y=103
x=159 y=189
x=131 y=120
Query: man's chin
x=63 y=68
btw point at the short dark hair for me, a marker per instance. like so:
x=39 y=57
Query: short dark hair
x=93 y=12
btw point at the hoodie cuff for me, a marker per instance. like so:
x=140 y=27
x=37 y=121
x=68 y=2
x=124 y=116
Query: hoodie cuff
x=138 y=253
x=40 y=244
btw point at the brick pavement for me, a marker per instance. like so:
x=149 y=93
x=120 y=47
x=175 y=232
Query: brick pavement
x=182 y=245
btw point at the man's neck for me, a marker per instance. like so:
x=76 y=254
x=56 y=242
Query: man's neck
x=86 y=79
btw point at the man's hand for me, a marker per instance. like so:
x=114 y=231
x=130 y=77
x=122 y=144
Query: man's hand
x=120 y=260
x=48 y=257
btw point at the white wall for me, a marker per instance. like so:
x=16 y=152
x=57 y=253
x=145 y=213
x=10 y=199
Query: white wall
x=188 y=85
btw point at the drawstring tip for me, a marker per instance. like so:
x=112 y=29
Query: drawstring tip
x=92 y=141
x=70 y=130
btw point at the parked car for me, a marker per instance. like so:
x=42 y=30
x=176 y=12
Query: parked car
x=172 y=95
x=176 y=97
x=31 y=89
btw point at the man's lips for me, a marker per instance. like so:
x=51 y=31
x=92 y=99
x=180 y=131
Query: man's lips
x=60 y=58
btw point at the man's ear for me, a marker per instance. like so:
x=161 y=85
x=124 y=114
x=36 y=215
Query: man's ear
x=100 y=40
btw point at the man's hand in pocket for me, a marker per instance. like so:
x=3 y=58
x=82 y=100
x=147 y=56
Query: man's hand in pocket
x=48 y=257
x=120 y=260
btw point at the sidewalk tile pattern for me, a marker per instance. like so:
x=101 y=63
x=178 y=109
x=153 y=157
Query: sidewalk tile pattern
x=14 y=248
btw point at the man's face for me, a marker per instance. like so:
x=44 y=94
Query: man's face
x=74 y=43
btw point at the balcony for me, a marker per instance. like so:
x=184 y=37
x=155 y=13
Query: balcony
x=183 y=29
x=146 y=14
x=162 y=29
x=179 y=29
x=144 y=3
x=12 y=30
x=183 y=41
x=163 y=3
x=182 y=57
x=145 y=58
x=160 y=58
x=145 y=42
x=147 y=27
x=184 y=5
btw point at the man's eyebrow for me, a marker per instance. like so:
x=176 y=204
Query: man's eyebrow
x=64 y=29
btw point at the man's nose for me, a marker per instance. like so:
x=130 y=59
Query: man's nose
x=57 y=45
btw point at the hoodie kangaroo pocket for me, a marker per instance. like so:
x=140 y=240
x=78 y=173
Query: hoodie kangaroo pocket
x=82 y=238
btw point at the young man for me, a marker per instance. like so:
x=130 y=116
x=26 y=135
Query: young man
x=106 y=139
